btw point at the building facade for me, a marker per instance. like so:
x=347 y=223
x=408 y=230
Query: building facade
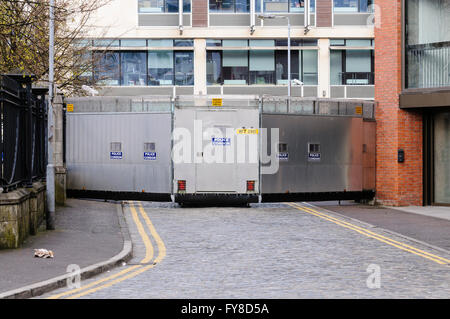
x=225 y=47
x=412 y=91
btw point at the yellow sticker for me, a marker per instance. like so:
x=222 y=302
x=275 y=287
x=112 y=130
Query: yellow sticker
x=217 y=102
x=69 y=107
x=247 y=131
x=359 y=110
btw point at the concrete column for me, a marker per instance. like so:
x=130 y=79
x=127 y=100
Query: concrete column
x=58 y=150
x=324 y=68
x=199 y=66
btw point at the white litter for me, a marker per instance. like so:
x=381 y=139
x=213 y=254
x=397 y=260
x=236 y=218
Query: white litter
x=43 y=253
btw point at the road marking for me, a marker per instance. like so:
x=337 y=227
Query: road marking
x=384 y=237
x=147 y=243
x=368 y=233
x=159 y=242
x=140 y=268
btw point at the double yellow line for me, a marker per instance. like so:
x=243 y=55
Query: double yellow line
x=132 y=271
x=368 y=233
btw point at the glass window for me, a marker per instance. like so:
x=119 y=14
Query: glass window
x=171 y=5
x=293 y=6
x=281 y=66
x=214 y=67
x=242 y=5
x=151 y=6
x=83 y=65
x=261 y=43
x=154 y=6
x=106 y=43
x=184 y=68
x=235 y=67
x=351 y=67
x=309 y=67
x=358 y=43
x=427 y=43
x=213 y=43
x=234 y=43
x=187 y=6
x=276 y=5
x=133 y=43
x=160 y=43
x=336 y=67
x=297 y=6
x=262 y=67
x=183 y=43
x=352 y=5
x=133 y=68
x=106 y=68
x=229 y=5
x=160 y=68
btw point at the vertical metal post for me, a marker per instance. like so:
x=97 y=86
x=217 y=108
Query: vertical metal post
x=50 y=187
x=29 y=138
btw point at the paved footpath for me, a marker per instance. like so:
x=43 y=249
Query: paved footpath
x=87 y=232
x=417 y=225
x=266 y=251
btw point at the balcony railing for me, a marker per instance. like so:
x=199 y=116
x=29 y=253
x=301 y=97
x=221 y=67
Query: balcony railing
x=428 y=65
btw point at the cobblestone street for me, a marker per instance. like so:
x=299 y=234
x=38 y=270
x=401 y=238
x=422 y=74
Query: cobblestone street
x=265 y=251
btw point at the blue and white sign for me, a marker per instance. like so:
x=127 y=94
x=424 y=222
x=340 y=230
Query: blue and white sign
x=115 y=155
x=223 y=141
x=314 y=156
x=283 y=156
x=149 y=156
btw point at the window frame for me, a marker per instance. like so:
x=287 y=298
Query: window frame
x=165 y=9
x=369 y=3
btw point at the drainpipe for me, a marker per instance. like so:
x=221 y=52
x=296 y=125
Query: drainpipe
x=180 y=16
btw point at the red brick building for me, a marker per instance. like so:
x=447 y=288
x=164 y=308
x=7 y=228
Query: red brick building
x=412 y=88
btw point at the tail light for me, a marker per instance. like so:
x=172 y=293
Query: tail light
x=181 y=186
x=250 y=186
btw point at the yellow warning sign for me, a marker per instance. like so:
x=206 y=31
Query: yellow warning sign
x=69 y=107
x=247 y=131
x=217 y=102
x=359 y=110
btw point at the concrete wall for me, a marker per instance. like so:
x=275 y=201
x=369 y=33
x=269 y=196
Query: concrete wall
x=21 y=213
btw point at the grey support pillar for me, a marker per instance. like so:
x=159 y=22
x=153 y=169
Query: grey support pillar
x=58 y=150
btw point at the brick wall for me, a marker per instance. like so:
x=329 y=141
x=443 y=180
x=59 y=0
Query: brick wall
x=199 y=13
x=324 y=12
x=398 y=184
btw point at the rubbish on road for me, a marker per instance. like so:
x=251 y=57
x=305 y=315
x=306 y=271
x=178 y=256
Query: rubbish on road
x=43 y=253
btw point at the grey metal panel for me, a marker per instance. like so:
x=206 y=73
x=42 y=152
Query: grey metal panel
x=337 y=92
x=296 y=19
x=310 y=91
x=363 y=91
x=340 y=167
x=89 y=165
x=204 y=177
x=231 y=19
x=184 y=90
x=351 y=18
x=213 y=90
x=186 y=19
x=136 y=90
x=162 y=20
x=255 y=90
